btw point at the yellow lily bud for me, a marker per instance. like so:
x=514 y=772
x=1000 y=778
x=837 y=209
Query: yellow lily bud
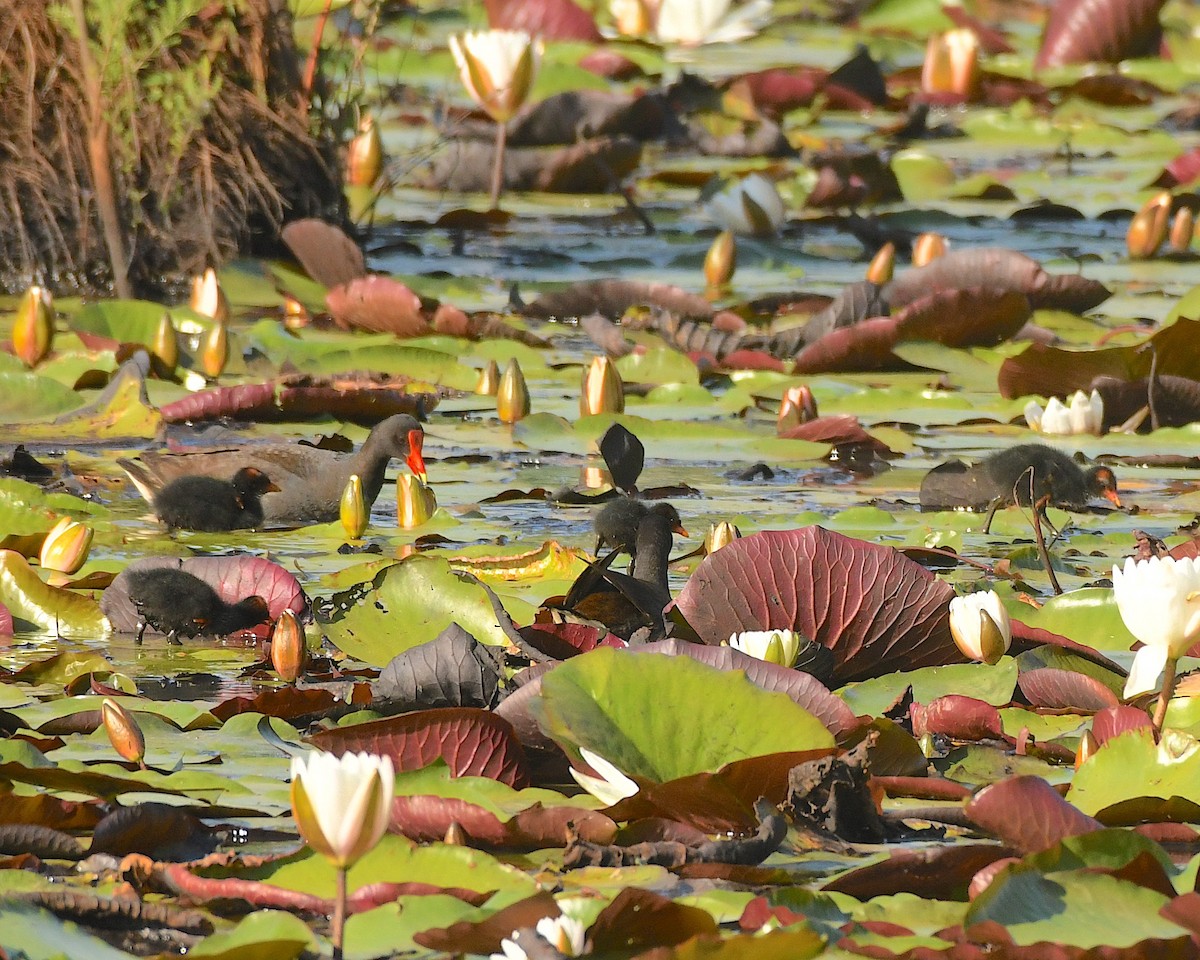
x=415 y=501
x=593 y=478
x=883 y=264
x=208 y=299
x=927 y=248
x=66 y=546
x=951 y=63
x=364 y=159
x=720 y=535
x=165 y=345
x=342 y=805
x=512 y=396
x=33 y=327
x=214 y=350
x=602 y=390
x=288 y=650
x=632 y=18
x=1148 y=228
x=295 y=314
x=721 y=260
x=123 y=731
x=1183 y=228
x=353 y=509
x=488 y=384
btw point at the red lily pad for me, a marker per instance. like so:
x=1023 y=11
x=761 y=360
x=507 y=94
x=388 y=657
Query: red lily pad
x=957 y=717
x=1114 y=721
x=1104 y=31
x=639 y=920
x=246 y=401
x=379 y=304
x=552 y=19
x=1065 y=689
x=1028 y=814
x=325 y=251
x=936 y=873
x=874 y=608
x=473 y=742
x=426 y=817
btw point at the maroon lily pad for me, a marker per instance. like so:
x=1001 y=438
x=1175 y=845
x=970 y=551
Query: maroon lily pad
x=234 y=579
x=247 y=401
x=484 y=936
x=1184 y=169
x=638 y=920
x=1050 y=371
x=552 y=19
x=1065 y=689
x=427 y=818
x=957 y=717
x=1028 y=814
x=865 y=346
x=379 y=304
x=964 y=317
x=325 y=251
x=874 y=608
x=720 y=801
x=842 y=428
x=1104 y=31
x=936 y=873
x=473 y=742
x=611 y=298
x=1114 y=721
x=285 y=702
x=999 y=269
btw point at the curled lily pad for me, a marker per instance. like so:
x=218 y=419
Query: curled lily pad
x=53 y=610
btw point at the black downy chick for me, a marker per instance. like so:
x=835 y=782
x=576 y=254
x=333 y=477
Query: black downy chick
x=211 y=505
x=180 y=604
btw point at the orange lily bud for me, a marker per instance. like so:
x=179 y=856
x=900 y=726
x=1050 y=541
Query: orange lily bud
x=951 y=64
x=797 y=406
x=721 y=260
x=123 y=731
x=1183 y=227
x=66 y=546
x=353 y=509
x=165 y=345
x=364 y=159
x=1087 y=746
x=33 y=328
x=882 y=264
x=488 y=384
x=512 y=396
x=927 y=248
x=288 y=650
x=1148 y=228
x=214 y=350
x=602 y=390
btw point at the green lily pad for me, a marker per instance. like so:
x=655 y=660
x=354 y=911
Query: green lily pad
x=53 y=610
x=991 y=684
x=273 y=933
x=1133 y=765
x=663 y=718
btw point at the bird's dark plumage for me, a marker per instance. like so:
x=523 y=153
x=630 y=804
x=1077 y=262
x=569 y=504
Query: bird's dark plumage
x=310 y=479
x=180 y=604
x=616 y=523
x=213 y=505
x=1024 y=474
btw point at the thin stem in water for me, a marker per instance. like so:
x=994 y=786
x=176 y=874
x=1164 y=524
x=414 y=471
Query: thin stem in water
x=339 y=914
x=498 y=164
x=1164 y=697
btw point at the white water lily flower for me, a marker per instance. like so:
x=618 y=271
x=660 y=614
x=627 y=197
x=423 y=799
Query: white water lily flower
x=342 y=805
x=980 y=626
x=497 y=67
x=1159 y=600
x=1084 y=415
x=565 y=934
x=612 y=786
x=693 y=22
x=773 y=646
x=751 y=205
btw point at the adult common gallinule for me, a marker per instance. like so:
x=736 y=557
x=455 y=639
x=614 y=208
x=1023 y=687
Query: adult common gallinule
x=1029 y=473
x=310 y=480
x=180 y=604
x=213 y=505
x=617 y=522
